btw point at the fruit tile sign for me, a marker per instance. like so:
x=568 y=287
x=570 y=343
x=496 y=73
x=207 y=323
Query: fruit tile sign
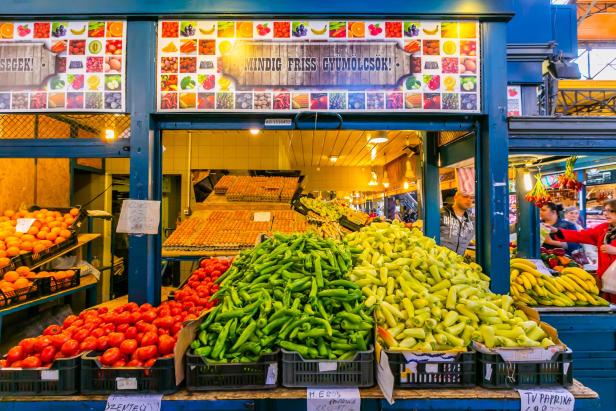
x=418 y=66
x=62 y=66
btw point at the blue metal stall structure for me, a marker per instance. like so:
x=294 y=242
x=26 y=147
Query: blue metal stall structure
x=490 y=147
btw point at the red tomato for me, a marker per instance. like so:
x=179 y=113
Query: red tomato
x=70 y=348
x=27 y=345
x=115 y=339
x=42 y=342
x=175 y=311
x=97 y=332
x=176 y=328
x=149 y=316
x=59 y=340
x=102 y=343
x=111 y=356
x=131 y=307
x=78 y=323
x=149 y=338
x=15 y=354
x=134 y=317
x=128 y=347
x=109 y=328
x=123 y=318
x=190 y=317
x=166 y=344
x=119 y=364
x=149 y=363
x=48 y=354
x=103 y=310
x=52 y=330
x=145 y=353
x=70 y=330
x=134 y=363
x=81 y=334
x=88 y=344
x=162 y=331
x=68 y=321
x=131 y=332
x=122 y=327
x=3 y=363
x=165 y=322
x=31 y=362
x=145 y=307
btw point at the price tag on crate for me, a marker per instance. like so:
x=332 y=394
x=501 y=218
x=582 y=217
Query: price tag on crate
x=546 y=399
x=141 y=402
x=50 y=375
x=126 y=383
x=262 y=217
x=24 y=224
x=272 y=374
x=333 y=399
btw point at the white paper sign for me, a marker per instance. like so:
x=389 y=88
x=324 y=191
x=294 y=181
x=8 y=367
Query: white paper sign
x=23 y=224
x=385 y=378
x=262 y=217
x=126 y=383
x=134 y=402
x=546 y=399
x=272 y=374
x=139 y=217
x=333 y=399
x=541 y=267
x=50 y=375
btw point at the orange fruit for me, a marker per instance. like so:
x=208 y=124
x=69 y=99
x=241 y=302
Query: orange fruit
x=51 y=236
x=69 y=220
x=115 y=29
x=65 y=233
x=12 y=251
x=2 y=255
x=56 y=230
x=8 y=213
x=41 y=235
x=22 y=270
x=11 y=276
x=28 y=237
x=33 y=230
x=6 y=30
x=30 y=275
x=21 y=283
x=53 y=224
x=357 y=29
x=244 y=29
x=4 y=261
x=60 y=239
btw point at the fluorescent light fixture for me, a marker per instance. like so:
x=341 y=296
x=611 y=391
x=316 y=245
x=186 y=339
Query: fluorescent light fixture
x=373 y=153
x=109 y=134
x=381 y=137
x=254 y=131
x=333 y=159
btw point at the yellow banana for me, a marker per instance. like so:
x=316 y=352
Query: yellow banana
x=526 y=282
x=526 y=268
x=571 y=295
x=579 y=281
x=580 y=296
x=583 y=274
x=524 y=261
x=568 y=286
x=514 y=274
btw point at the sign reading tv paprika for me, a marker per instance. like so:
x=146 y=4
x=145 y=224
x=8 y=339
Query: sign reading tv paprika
x=417 y=66
x=62 y=66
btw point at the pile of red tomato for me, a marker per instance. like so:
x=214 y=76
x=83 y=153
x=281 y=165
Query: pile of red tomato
x=129 y=335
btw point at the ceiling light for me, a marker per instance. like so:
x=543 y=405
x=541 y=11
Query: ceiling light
x=333 y=159
x=373 y=180
x=381 y=137
x=406 y=185
x=109 y=134
x=254 y=131
x=385 y=179
x=373 y=153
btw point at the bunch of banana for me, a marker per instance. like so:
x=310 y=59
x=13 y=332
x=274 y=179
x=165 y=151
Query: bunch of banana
x=574 y=287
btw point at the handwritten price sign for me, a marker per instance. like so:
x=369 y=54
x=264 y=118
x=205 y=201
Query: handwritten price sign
x=333 y=399
x=554 y=399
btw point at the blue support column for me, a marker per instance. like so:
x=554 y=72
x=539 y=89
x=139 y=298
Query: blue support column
x=145 y=171
x=492 y=160
x=431 y=187
x=582 y=197
x=528 y=220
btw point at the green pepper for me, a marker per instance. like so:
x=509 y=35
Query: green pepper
x=274 y=324
x=334 y=293
x=354 y=318
x=232 y=329
x=313 y=333
x=343 y=283
x=325 y=323
x=195 y=344
x=220 y=341
x=203 y=351
x=236 y=313
x=215 y=328
x=203 y=338
x=349 y=355
x=248 y=331
x=252 y=347
x=210 y=317
x=313 y=289
x=301 y=349
x=235 y=296
x=298 y=284
x=318 y=271
x=291 y=326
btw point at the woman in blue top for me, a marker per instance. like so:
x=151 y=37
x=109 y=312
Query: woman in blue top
x=549 y=215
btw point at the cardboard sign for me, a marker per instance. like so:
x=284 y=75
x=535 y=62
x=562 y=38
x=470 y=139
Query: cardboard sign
x=308 y=64
x=150 y=402
x=332 y=399
x=546 y=399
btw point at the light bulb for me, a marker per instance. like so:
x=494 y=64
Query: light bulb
x=406 y=185
x=109 y=134
x=254 y=131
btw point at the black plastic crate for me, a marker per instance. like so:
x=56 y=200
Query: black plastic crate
x=204 y=376
x=8 y=298
x=7 y=268
x=300 y=207
x=299 y=372
x=61 y=378
x=434 y=372
x=494 y=372
x=29 y=259
x=98 y=379
x=346 y=223
x=49 y=285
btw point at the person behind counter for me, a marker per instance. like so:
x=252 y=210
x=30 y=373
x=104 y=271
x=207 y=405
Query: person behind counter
x=603 y=236
x=550 y=217
x=457 y=228
x=572 y=214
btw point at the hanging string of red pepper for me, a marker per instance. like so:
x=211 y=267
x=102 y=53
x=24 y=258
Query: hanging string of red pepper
x=539 y=194
x=569 y=180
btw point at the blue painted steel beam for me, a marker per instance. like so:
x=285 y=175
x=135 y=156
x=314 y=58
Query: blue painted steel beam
x=144 y=280
x=457 y=151
x=491 y=162
x=430 y=187
x=407 y=121
x=487 y=9
x=63 y=148
x=528 y=220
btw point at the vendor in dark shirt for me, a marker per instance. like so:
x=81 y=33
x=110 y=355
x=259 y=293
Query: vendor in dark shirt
x=549 y=215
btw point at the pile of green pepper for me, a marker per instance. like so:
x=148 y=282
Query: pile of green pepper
x=291 y=292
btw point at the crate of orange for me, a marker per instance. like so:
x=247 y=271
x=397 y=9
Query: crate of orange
x=18 y=286
x=50 y=282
